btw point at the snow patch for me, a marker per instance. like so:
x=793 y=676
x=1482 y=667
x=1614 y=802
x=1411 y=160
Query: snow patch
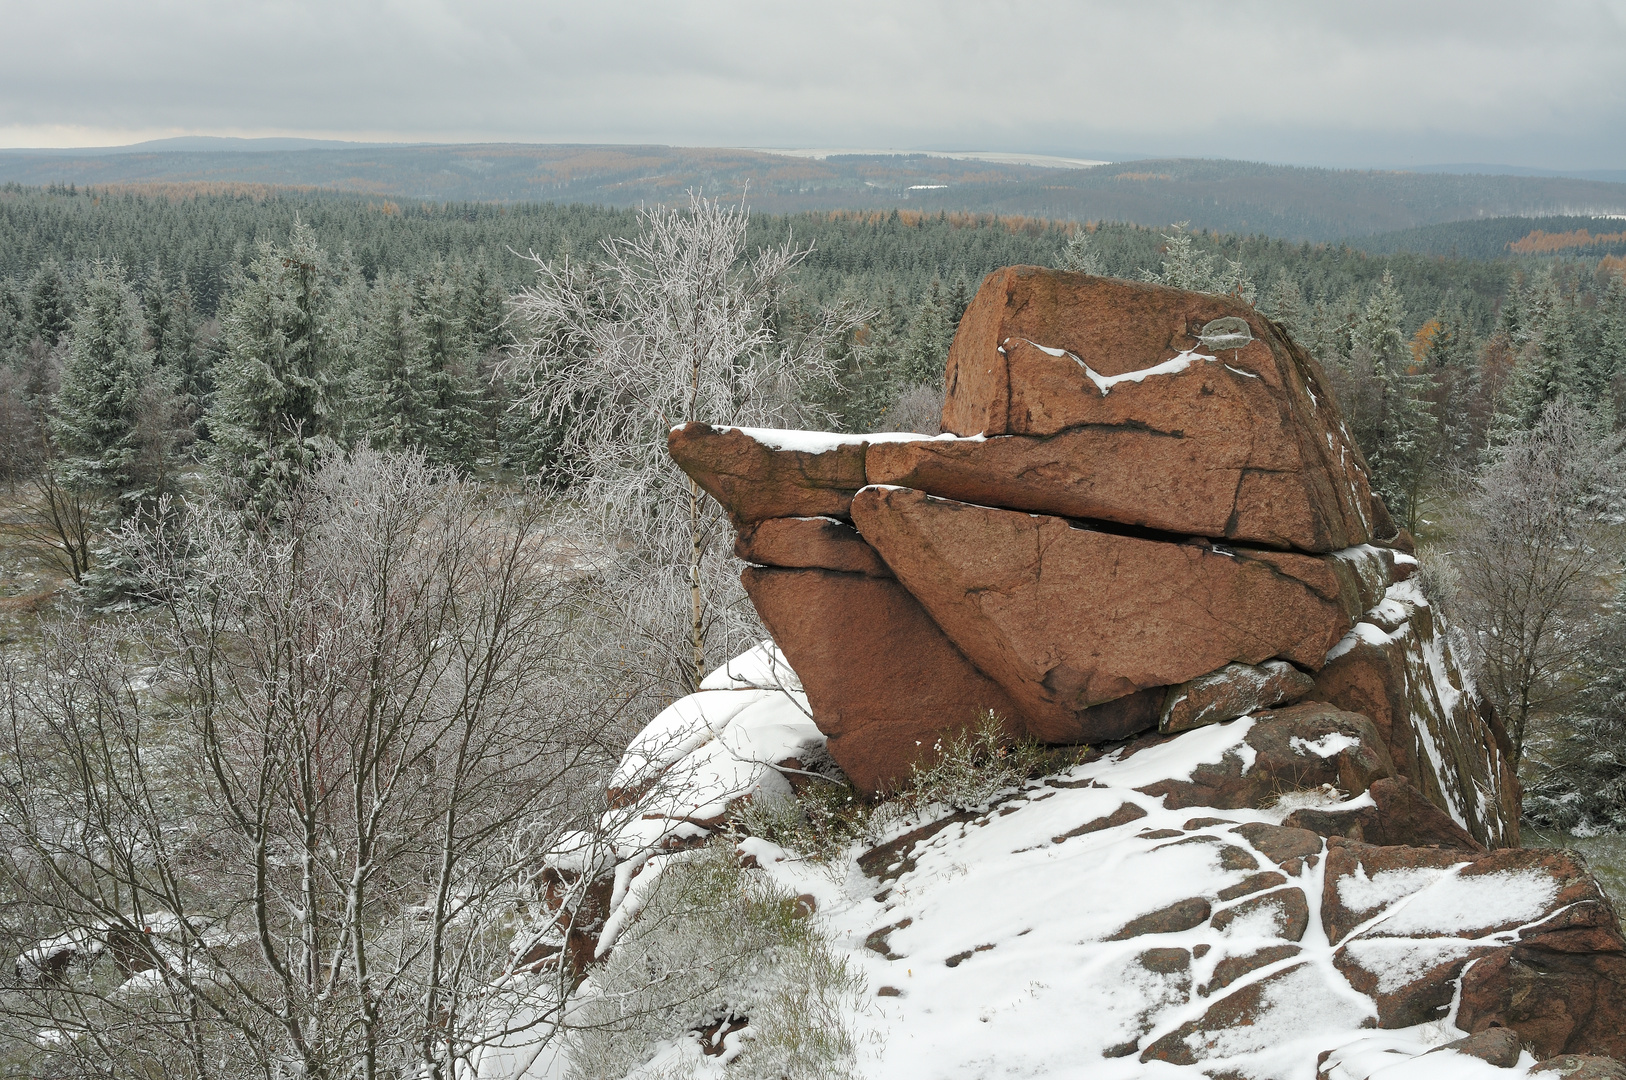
x=1330 y=744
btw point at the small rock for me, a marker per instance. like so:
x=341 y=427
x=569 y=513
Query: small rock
x=1232 y=968
x=1498 y=1045
x=1232 y=691
x=1182 y=915
x=1292 y=912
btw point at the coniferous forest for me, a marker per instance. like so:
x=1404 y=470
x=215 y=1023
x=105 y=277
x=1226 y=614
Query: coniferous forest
x=342 y=552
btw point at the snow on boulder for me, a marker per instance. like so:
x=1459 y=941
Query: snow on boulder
x=1044 y=353
x=1089 y=927
x=760 y=473
x=1398 y=666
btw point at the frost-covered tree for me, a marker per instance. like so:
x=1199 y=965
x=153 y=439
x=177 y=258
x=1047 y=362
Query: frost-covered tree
x=1080 y=255
x=1531 y=553
x=1386 y=402
x=103 y=420
x=1185 y=267
x=285 y=337
x=677 y=325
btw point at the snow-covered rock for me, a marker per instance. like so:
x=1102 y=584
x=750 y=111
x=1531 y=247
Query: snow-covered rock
x=1160 y=910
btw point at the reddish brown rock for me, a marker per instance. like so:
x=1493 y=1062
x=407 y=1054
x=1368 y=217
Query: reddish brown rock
x=757 y=473
x=1232 y=968
x=1040 y=352
x=1398 y=816
x=1284 y=752
x=1280 y=844
x=1399 y=667
x=1287 y=908
x=818 y=543
x=1423 y=996
x=1182 y=915
x=1558 y=1002
x=1232 y=691
x=1498 y=1046
x=882 y=680
x=1068 y=618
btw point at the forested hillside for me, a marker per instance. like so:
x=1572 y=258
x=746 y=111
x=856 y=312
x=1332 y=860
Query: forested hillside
x=344 y=555
x=1231 y=196
x=440 y=274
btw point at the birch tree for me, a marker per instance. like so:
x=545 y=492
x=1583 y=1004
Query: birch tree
x=678 y=324
x=282 y=825
x=1533 y=556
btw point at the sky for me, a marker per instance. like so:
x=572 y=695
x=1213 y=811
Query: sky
x=1359 y=83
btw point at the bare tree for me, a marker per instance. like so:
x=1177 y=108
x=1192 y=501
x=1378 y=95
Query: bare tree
x=1533 y=555
x=286 y=828
x=679 y=324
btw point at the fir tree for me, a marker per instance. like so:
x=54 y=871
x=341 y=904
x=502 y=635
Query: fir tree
x=103 y=421
x=50 y=304
x=395 y=400
x=271 y=415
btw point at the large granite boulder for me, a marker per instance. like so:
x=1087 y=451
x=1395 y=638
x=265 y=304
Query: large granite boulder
x=883 y=682
x=1146 y=512
x=1207 y=419
x=1066 y=618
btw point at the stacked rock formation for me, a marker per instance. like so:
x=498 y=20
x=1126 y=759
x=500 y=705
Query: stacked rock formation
x=1146 y=512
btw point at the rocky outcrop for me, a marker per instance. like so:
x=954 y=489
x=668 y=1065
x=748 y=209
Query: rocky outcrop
x=1146 y=513
x=883 y=681
x=1261 y=896
x=1066 y=618
x=1398 y=666
x=1040 y=353
x=759 y=473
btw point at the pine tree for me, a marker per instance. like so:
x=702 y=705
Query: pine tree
x=271 y=414
x=103 y=421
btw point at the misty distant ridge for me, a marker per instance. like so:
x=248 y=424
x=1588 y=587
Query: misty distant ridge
x=1293 y=202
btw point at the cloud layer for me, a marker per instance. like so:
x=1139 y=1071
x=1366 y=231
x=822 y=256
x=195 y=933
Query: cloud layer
x=1380 y=82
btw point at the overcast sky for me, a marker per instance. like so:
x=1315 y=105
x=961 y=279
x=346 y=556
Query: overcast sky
x=1360 y=82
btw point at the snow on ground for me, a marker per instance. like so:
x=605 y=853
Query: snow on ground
x=1003 y=931
x=995 y=946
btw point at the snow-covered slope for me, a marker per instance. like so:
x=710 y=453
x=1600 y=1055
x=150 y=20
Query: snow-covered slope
x=1104 y=921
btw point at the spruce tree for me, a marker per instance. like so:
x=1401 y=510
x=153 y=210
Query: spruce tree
x=454 y=436
x=103 y=421
x=925 y=348
x=50 y=304
x=271 y=417
x=1399 y=426
x=396 y=401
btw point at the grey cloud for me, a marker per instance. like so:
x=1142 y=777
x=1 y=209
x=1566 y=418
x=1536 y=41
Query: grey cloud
x=1373 y=82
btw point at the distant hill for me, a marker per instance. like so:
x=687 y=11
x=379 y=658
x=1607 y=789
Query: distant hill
x=1502 y=237
x=1230 y=196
